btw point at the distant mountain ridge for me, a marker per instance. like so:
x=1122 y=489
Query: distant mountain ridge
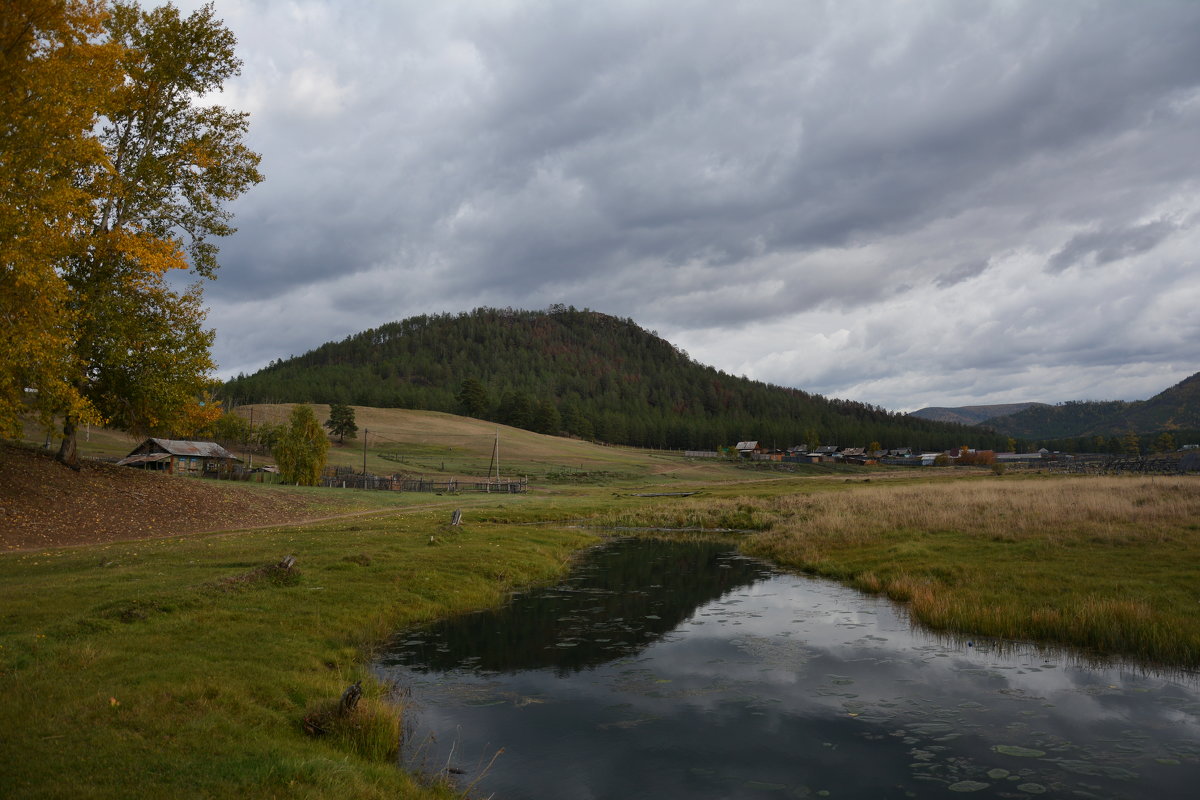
x=1174 y=409
x=582 y=373
x=971 y=415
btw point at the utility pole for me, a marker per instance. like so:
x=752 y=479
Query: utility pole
x=365 y=432
x=495 y=460
x=249 y=452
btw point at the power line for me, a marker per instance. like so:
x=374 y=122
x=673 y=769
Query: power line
x=435 y=436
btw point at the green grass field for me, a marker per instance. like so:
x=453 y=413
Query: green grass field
x=186 y=666
x=182 y=667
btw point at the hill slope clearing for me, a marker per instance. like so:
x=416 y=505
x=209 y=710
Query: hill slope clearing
x=431 y=443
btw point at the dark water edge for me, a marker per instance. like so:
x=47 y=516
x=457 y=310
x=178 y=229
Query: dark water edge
x=684 y=670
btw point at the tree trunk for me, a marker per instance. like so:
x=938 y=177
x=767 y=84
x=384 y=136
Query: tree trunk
x=67 y=454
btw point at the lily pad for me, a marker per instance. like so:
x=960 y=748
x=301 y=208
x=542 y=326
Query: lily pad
x=1031 y=788
x=997 y=773
x=1097 y=770
x=1020 y=752
x=967 y=786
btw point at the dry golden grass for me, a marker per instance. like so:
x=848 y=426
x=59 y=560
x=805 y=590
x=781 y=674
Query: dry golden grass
x=431 y=442
x=1119 y=508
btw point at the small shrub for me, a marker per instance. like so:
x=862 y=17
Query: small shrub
x=281 y=574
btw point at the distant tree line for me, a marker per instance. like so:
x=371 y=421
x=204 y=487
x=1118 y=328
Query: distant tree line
x=579 y=373
x=1174 y=411
x=1127 y=444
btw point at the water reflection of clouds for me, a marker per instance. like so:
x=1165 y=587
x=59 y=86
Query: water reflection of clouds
x=786 y=629
x=796 y=659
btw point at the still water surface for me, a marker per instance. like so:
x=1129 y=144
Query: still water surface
x=673 y=670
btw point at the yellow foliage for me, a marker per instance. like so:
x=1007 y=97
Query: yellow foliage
x=52 y=72
x=152 y=255
x=198 y=416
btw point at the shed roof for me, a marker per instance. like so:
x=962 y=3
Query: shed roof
x=180 y=447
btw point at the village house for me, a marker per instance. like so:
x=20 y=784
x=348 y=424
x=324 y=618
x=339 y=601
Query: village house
x=826 y=453
x=180 y=457
x=799 y=454
x=859 y=455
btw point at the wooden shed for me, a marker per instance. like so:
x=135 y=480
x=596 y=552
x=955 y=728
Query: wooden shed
x=180 y=457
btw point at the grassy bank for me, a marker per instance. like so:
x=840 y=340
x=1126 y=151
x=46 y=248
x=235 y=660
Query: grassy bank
x=187 y=667
x=1107 y=564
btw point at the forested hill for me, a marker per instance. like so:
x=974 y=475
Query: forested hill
x=578 y=372
x=971 y=415
x=1175 y=409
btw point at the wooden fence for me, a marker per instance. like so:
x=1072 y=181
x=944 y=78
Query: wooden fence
x=396 y=483
x=1127 y=465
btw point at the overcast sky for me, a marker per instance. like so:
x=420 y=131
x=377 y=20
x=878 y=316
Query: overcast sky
x=902 y=203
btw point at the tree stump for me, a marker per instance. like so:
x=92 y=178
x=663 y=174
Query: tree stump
x=350 y=698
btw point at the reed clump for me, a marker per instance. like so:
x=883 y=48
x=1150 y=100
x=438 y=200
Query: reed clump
x=370 y=730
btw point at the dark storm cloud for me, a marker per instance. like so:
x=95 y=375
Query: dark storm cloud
x=831 y=172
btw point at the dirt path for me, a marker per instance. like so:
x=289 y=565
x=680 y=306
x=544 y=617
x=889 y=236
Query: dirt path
x=397 y=511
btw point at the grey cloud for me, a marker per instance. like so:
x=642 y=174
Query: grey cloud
x=1105 y=246
x=963 y=272
x=677 y=156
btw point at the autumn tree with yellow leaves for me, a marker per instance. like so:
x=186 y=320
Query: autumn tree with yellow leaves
x=143 y=176
x=54 y=74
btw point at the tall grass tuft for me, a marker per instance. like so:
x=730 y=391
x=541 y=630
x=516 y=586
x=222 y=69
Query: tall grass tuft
x=370 y=730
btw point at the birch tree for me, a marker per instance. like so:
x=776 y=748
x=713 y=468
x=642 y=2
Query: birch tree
x=301 y=451
x=140 y=347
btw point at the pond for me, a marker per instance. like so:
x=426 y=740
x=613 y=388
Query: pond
x=683 y=670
